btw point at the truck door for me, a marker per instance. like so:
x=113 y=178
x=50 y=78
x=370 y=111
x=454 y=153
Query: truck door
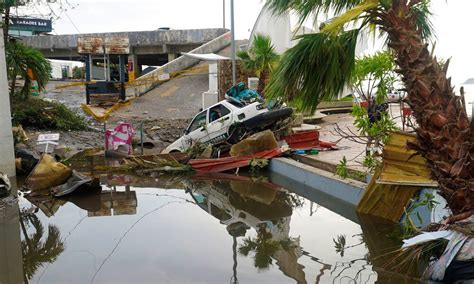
x=197 y=130
x=220 y=119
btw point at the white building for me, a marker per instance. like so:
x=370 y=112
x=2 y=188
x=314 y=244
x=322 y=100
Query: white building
x=62 y=69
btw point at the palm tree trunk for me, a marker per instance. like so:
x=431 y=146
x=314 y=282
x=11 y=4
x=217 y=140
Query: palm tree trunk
x=445 y=136
x=12 y=87
x=6 y=25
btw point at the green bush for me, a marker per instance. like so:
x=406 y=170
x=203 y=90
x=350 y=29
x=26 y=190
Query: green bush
x=41 y=114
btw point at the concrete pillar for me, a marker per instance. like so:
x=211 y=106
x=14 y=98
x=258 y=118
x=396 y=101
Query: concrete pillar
x=7 y=160
x=213 y=78
x=133 y=69
x=172 y=56
x=11 y=262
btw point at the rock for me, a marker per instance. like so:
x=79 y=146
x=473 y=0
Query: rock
x=258 y=142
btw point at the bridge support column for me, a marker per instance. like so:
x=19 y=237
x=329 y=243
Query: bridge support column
x=172 y=56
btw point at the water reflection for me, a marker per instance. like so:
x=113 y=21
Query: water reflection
x=108 y=202
x=270 y=235
x=11 y=268
x=241 y=203
x=38 y=247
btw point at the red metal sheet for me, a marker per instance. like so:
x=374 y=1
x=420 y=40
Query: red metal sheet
x=225 y=164
x=308 y=140
x=305 y=136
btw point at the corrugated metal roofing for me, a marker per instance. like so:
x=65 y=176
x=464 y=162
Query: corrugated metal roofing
x=402 y=166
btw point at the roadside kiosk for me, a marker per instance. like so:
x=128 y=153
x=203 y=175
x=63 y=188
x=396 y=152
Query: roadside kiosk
x=106 y=71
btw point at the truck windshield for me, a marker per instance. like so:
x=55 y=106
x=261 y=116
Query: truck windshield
x=198 y=122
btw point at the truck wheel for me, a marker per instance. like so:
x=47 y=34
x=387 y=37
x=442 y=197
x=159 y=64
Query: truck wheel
x=236 y=134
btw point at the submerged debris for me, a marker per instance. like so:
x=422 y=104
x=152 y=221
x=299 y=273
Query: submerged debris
x=151 y=164
x=77 y=183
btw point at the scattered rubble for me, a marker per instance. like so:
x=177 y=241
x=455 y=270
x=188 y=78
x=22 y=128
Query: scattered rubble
x=5 y=185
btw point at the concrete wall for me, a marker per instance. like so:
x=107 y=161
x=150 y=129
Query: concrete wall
x=347 y=190
x=7 y=156
x=150 y=80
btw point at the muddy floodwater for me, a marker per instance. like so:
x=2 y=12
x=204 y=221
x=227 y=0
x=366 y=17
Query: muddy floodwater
x=223 y=229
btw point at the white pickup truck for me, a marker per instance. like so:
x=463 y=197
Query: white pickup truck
x=228 y=120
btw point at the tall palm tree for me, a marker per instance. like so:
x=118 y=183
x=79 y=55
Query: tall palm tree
x=35 y=249
x=20 y=59
x=321 y=63
x=261 y=58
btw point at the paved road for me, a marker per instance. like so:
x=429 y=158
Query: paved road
x=178 y=98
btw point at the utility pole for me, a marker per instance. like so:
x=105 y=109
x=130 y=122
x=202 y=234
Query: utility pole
x=223 y=14
x=232 y=27
x=7 y=155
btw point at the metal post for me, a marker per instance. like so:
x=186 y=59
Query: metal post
x=122 y=77
x=88 y=77
x=232 y=32
x=223 y=14
x=141 y=137
x=105 y=67
x=105 y=141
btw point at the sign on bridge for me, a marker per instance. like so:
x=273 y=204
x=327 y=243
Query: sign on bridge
x=31 y=24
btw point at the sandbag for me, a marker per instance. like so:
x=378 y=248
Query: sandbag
x=47 y=173
x=256 y=143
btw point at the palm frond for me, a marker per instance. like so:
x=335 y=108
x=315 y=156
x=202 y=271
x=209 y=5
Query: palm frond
x=337 y=23
x=305 y=8
x=20 y=58
x=317 y=68
x=422 y=14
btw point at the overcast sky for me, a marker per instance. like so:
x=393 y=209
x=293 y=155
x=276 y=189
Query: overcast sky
x=452 y=19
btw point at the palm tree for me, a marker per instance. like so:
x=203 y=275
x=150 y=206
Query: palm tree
x=264 y=248
x=261 y=58
x=20 y=59
x=37 y=251
x=321 y=63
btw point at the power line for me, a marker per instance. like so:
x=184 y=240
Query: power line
x=65 y=13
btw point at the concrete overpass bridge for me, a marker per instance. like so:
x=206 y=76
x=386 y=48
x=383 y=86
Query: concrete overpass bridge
x=154 y=48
